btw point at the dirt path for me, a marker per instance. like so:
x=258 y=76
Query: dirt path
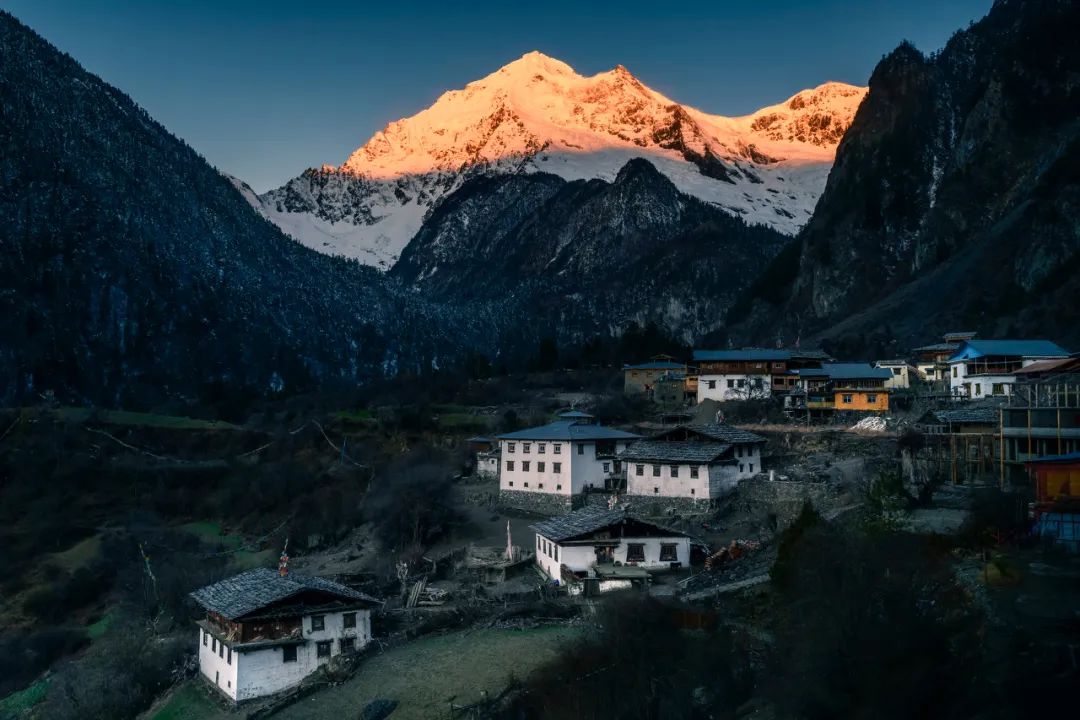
x=426 y=675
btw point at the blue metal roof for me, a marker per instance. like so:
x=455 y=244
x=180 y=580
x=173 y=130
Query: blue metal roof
x=569 y=430
x=1018 y=348
x=655 y=366
x=847 y=371
x=1066 y=458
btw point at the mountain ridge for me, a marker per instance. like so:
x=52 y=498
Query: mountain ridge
x=536 y=114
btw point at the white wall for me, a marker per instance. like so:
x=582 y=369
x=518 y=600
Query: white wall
x=487 y=465
x=262 y=671
x=680 y=486
x=217 y=670
x=901 y=376
x=577 y=472
x=748 y=460
x=722 y=392
x=579 y=558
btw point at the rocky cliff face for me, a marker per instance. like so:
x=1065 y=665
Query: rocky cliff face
x=133 y=273
x=588 y=257
x=537 y=114
x=953 y=199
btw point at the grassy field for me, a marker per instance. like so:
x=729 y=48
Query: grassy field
x=138 y=419
x=213 y=534
x=187 y=702
x=427 y=675
x=19 y=702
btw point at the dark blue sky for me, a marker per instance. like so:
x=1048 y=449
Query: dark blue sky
x=265 y=88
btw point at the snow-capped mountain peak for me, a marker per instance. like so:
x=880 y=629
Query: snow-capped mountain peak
x=537 y=114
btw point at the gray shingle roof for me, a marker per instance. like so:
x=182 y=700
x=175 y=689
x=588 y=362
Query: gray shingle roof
x=569 y=430
x=687 y=451
x=588 y=520
x=249 y=591
x=716 y=431
x=989 y=415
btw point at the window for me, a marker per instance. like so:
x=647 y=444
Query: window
x=656 y=471
x=525 y=484
x=213 y=645
x=668 y=552
x=540 y=485
x=740 y=467
x=318 y=622
x=712 y=384
x=348 y=644
x=693 y=471
x=639 y=470
x=539 y=545
x=751 y=467
x=540 y=448
x=674 y=471
x=510 y=447
x=778 y=366
x=954 y=371
x=540 y=467
x=510 y=483
x=896 y=371
x=322 y=649
x=847 y=399
x=556 y=468
x=525 y=447
x=221 y=650
x=607 y=467
x=288 y=654
x=978 y=388
x=692 y=491
x=656 y=491
x=525 y=466
x=581 y=448
x=731 y=384
x=205 y=636
x=510 y=465
x=349 y=620
x=635 y=552
x=872 y=397
x=998 y=389
x=741 y=382
x=556 y=553
x=228 y=658
x=557 y=448
x=558 y=487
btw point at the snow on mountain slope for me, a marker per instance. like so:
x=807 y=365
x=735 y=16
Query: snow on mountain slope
x=537 y=114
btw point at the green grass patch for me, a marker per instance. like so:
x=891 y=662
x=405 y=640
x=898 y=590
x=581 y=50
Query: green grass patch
x=188 y=702
x=138 y=419
x=357 y=416
x=78 y=555
x=96 y=629
x=20 y=701
x=466 y=421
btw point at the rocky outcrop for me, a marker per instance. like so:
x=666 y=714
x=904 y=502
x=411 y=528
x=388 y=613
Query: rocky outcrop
x=954 y=196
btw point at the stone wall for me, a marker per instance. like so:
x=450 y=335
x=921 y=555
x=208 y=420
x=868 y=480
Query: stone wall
x=541 y=503
x=783 y=498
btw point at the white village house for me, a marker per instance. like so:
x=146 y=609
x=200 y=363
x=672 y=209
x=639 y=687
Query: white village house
x=750 y=373
x=694 y=462
x=265 y=631
x=597 y=542
x=547 y=468
x=982 y=368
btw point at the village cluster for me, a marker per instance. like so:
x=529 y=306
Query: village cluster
x=997 y=412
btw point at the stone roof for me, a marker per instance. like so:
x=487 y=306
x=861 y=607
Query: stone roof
x=588 y=520
x=253 y=590
x=988 y=415
x=715 y=431
x=685 y=451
